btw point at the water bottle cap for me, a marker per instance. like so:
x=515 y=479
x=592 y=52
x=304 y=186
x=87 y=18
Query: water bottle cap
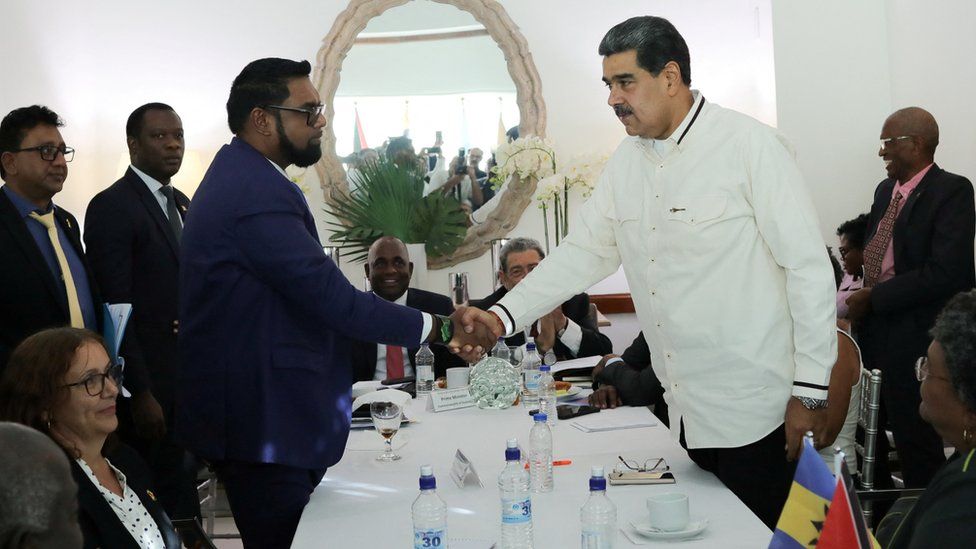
x=426 y=471
x=530 y=346
x=501 y=338
x=596 y=471
x=512 y=443
x=541 y=416
x=545 y=367
x=598 y=484
x=512 y=452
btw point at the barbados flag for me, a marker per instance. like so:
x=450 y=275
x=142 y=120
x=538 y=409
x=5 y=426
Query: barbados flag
x=806 y=507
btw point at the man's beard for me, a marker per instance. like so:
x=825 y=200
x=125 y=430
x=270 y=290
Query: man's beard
x=302 y=158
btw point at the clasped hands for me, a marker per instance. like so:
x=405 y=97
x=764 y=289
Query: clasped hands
x=475 y=333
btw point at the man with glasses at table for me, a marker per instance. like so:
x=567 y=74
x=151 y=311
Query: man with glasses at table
x=266 y=318
x=45 y=280
x=918 y=254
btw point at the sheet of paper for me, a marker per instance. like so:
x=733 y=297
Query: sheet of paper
x=585 y=362
x=614 y=420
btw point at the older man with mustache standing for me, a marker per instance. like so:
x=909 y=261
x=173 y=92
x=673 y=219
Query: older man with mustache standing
x=709 y=215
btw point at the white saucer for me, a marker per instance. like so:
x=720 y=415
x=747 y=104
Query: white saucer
x=570 y=393
x=644 y=528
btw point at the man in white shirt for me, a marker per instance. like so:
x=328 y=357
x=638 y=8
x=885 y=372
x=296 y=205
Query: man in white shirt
x=708 y=213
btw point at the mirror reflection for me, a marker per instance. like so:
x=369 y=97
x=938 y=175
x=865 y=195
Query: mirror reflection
x=425 y=87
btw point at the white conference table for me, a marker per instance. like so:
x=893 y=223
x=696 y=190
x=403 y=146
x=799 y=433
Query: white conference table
x=362 y=503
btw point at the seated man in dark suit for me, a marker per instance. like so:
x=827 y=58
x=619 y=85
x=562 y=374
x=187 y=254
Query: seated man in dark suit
x=568 y=330
x=629 y=380
x=389 y=269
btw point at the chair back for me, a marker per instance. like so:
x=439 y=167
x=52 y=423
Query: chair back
x=867 y=419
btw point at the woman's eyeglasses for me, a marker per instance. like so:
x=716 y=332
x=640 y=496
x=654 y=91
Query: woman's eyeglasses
x=95 y=383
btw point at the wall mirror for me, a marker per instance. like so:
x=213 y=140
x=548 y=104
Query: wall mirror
x=447 y=74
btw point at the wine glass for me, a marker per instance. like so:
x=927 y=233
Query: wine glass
x=386 y=419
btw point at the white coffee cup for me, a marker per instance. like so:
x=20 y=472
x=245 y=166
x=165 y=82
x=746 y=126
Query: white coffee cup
x=458 y=377
x=668 y=511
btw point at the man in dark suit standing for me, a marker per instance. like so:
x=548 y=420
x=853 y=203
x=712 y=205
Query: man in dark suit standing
x=568 y=330
x=45 y=280
x=132 y=232
x=266 y=318
x=919 y=253
x=389 y=269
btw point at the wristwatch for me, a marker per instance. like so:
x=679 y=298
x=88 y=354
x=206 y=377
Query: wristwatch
x=812 y=403
x=445 y=332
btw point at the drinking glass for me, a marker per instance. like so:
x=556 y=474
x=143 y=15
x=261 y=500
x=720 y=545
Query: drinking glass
x=459 y=288
x=386 y=420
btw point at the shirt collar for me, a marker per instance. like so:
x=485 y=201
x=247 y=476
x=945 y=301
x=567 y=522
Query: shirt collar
x=906 y=188
x=277 y=167
x=151 y=182
x=673 y=139
x=24 y=207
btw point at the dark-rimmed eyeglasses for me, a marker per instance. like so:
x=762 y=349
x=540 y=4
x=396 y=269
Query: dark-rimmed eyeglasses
x=311 y=114
x=887 y=140
x=50 y=152
x=922 y=370
x=657 y=465
x=95 y=383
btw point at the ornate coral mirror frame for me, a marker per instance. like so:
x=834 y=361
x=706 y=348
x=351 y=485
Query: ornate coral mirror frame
x=521 y=68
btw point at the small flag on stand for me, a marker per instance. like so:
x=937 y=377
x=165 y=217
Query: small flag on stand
x=844 y=527
x=359 y=138
x=803 y=516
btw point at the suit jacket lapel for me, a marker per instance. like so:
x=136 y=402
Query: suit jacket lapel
x=15 y=224
x=901 y=223
x=90 y=501
x=152 y=206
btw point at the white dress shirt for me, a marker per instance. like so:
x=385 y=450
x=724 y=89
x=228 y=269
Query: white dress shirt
x=129 y=509
x=380 y=374
x=428 y=320
x=155 y=188
x=720 y=244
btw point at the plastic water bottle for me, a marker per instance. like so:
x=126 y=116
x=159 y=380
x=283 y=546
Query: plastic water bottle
x=530 y=376
x=598 y=516
x=540 y=455
x=500 y=350
x=513 y=483
x=425 y=370
x=547 y=394
x=429 y=513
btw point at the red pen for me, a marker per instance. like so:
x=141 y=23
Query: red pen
x=556 y=463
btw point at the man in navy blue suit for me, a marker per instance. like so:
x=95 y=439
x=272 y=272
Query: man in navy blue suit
x=266 y=317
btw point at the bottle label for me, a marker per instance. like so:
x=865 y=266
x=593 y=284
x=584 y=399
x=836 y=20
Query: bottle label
x=424 y=372
x=532 y=380
x=424 y=539
x=593 y=538
x=516 y=512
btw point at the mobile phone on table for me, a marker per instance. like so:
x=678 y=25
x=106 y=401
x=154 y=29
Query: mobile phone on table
x=565 y=411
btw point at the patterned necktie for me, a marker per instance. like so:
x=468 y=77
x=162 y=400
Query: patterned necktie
x=172 y=212
x=874 y=252
x=74 y=306
x=394 y=362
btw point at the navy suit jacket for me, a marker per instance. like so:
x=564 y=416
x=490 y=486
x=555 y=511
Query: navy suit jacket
x=933 y=250
x=134 y=255
x=364 y=352
x=265 y=322
x=31 y=299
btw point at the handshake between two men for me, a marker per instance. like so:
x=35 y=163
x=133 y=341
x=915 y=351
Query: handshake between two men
x=474 y=332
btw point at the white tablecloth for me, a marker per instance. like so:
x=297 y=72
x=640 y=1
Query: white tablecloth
x=362 y=503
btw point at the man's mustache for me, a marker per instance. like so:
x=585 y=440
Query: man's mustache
x=622 y=110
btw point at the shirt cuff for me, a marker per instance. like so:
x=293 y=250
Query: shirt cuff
x=428 y=325
x=613 y=360
x=572 y=336
x=809 y=390
x=507 y=321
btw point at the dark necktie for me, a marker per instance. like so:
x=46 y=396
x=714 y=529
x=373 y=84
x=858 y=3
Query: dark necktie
x=175 y=222
x=874 y=252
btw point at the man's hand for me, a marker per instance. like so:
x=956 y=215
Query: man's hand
x=605 y=397
x=601 y=365
x=147 y=415
x=547 y=334
x=472 y=335
x=859 y=304
x=474 y=315
x=799 y=420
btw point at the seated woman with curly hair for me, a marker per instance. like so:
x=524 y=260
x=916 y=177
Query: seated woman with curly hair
x=62 y=383
x=944 y=515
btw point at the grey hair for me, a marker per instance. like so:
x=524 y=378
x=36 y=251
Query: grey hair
x=29 y=486
x=656 y=42
x=516 y=245
x=955 y=330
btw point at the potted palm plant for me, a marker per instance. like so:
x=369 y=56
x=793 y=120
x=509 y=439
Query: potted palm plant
x=389 y=200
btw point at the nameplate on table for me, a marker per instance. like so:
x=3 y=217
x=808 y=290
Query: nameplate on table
x=462 y=471
x=450 y=399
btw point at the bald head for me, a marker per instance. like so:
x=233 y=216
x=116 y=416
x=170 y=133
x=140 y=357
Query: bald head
x=388 y=267
x=38 y=497
x=920 y=123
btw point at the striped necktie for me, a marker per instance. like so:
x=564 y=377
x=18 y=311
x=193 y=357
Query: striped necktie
x=874 y=252
x=74 y=305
